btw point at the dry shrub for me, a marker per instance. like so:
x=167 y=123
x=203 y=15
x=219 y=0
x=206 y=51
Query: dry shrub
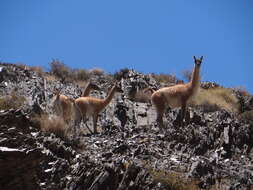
x=165 y=78
x=220 y=97
x=187 y=74
x=247 y=116
x=38 y=70
x=122 y=73
x=50 y=77
x=52 y=124
x=141 y=96
x=81 y=75
x=66 y=74
x=60 y=70
x=242 y=90
x=174 y=181
x=12 y=101
x=96 y=71
x=81 y=84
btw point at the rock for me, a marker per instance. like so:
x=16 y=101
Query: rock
x=213 y=145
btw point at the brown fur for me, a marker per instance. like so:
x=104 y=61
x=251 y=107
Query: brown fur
x=86 y=107
x=90 y=86
x=62 y=104
x=176 y=96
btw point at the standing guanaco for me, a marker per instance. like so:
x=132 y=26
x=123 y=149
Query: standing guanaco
x=178 y=95
x=62 y=104
x=86 y=107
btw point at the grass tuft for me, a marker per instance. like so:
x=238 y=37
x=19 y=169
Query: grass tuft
x=222 y=98
x=12 y=101
x=52 y=124
x=96 y=71
x=174 y=181
x=164 y=78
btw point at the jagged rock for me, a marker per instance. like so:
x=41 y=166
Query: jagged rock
x=212 y=145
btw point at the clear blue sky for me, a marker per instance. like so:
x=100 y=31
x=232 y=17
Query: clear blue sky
x=146 y=35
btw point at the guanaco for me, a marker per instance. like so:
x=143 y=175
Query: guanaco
x=176 y=96
x=90 y=86
x=86 y=107
x=62 y=104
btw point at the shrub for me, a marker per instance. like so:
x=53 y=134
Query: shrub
x=121 y=74
x=247 y=116
x=242 y=90
x=165 y=78
x=66 y=74
x=52 y=124
x=187 y=74
x=220 y=97
x=12 y=101
x=96 y=71
x=174 y=181
x=60 y=70
x=38 y=70
x=141 y=96
x=81 y=75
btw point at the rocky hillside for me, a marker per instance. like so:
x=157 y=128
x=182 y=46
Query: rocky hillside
x=213 y=151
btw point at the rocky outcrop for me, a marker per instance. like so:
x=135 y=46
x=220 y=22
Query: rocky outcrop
x=214 y=149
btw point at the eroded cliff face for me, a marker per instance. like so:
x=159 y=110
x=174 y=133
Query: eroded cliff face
x=213 y=150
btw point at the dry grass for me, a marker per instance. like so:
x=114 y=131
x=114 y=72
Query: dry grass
x=141 y=96
x=50 y=77
x=223 y=98
x=187 y=74
x=52 y=124
x=80 y=75
x=67 y=74
x=12 y=101
x=247 y=116
x=242 y=90
x=38 y=70
x=96 y=71
x=174 y=181
x=165 y=78
x=178 y=181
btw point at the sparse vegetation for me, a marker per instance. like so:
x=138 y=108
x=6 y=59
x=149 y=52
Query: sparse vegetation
x=96 y=71
x=242 y=90
x=59 y=69
x=52 y=124
x=165 y=78
x=12 y=101
x=187 y=74
x=174 y=181
x=141 y=96
x=66 y=74
x=80 y=75
x=220 y=97
x=247 y=115
x=38 y=70
x=121 y=74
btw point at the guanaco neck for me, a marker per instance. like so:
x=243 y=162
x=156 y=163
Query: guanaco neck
x=86 y=91
x=109 y=97
x=194 y=83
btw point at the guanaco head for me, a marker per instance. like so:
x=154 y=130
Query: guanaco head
x=198 y=61
x=93 y=86
x=57 y=92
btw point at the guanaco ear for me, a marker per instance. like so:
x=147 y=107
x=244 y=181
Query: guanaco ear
x=201 y=58
x=57 y=91
x=194 y=58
